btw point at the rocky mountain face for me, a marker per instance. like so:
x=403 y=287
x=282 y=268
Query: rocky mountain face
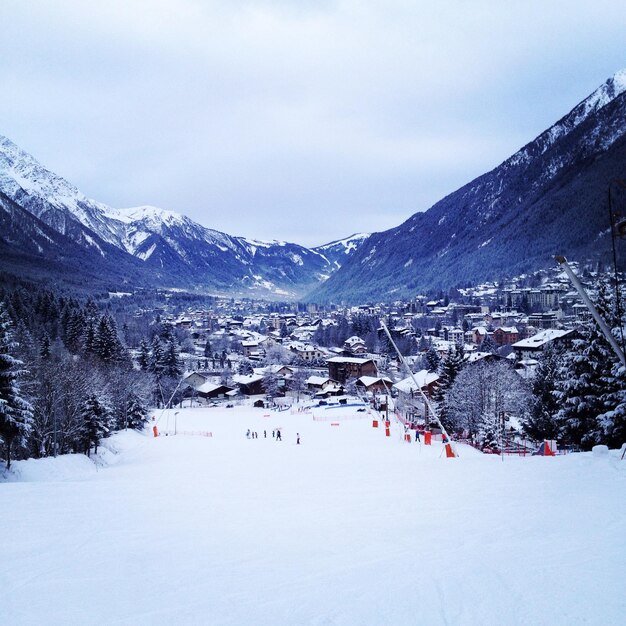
x=549 y=198
x=143 y=246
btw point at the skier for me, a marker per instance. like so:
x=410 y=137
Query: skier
x=264 y=434
x=298 y=438
x=278 y=436
x=417 y=435
x=248 y=434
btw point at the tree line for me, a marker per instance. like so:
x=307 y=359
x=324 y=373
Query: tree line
x=67 y=378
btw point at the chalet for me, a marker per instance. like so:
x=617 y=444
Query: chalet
x=372 y=384
x=252 y=349
x=342 y=368
x=249 y=384
x=194 y=380
x=306 y=351
x=210 y=390
x=354 y=346
x=316 y=384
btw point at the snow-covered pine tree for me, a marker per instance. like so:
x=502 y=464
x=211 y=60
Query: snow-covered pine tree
x=74 y=331
x=44 y=347
x=15 y=412
x=350 y=386
x=540 y=423
x=96 y=417
x=89 y=337
x=157 y=357
x=172 y=364
x=136 y=412
x=432 y=359
x=488 y=345
x=449 y=369
x=143 y=358
x=107 y=345
x=585 y=382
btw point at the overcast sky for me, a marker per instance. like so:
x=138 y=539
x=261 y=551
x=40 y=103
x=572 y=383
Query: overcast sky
x=301 y=121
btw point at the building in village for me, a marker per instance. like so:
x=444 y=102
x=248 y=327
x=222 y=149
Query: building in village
x=410 y=402
x=342 y=368
x=532 y=346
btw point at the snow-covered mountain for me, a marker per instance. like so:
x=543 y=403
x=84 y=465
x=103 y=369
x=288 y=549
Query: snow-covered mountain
x=171 y=248
x=548 y=198
x=337 y=252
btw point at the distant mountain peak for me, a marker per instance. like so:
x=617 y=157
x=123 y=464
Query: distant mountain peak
x=152 y=215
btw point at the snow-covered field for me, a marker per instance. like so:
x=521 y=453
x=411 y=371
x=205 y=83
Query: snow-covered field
x=350 y=527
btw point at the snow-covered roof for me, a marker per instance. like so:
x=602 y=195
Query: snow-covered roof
x=423 y=378
x=345 y=359
x=247 y=379
x=371 y=380
x=208 y=387
x=477 y=356
x=542 y=338
x=317 y=380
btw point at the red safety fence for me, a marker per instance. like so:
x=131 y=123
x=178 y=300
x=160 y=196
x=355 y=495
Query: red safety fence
x=192 y=433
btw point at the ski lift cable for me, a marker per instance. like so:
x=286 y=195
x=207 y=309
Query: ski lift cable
x=431 y=408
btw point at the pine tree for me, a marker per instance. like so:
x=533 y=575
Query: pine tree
x=44 y=348
x=172 y=365
x=96 y=417
x=488 y=345
x=590 y=386
x=15 y=412
x=136 y=413
x=432 y=360
x=106 y=343
x=143 y=358
x=541 y=422
x=89 y=338
x=449 y=370
x=75 y=331
x=157 y=357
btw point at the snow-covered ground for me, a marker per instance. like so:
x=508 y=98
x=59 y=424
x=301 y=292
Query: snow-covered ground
x=350 y=527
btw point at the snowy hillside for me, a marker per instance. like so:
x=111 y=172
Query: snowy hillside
x=349 y=527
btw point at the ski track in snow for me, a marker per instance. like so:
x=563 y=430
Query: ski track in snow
x=348 y=528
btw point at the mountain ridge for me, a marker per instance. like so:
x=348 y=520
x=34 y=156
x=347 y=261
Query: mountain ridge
x=513 y=218
x=172 y=248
